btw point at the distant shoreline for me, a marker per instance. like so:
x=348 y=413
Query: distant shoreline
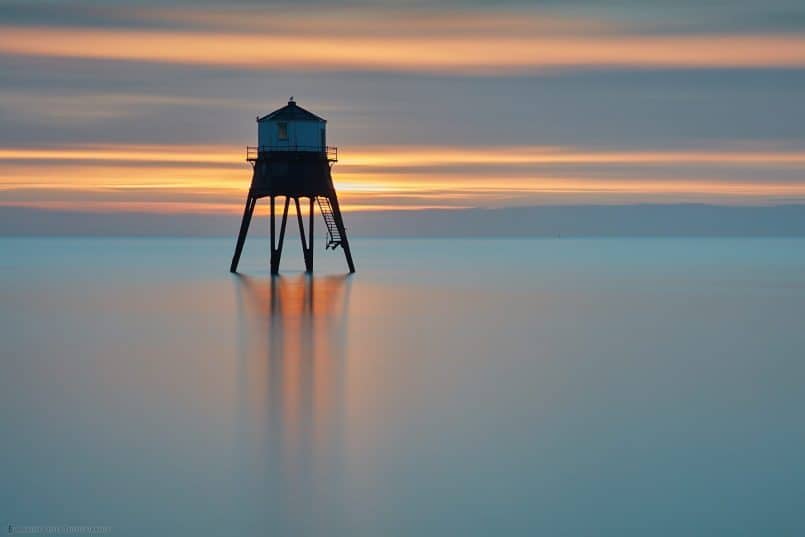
x=550 y=221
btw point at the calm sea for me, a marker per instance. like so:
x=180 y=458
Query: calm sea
x=450 y=387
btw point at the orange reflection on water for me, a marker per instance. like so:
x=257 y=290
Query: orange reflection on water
x=293 y=363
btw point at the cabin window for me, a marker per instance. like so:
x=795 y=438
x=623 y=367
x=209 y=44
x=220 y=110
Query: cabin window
x=282 y=131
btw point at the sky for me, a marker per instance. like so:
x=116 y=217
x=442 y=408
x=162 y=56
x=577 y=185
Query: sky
x=147 y=107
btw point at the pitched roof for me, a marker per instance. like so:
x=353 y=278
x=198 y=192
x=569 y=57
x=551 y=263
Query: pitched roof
x=291 y=112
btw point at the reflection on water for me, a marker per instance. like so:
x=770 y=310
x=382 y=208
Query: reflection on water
x=546 y=387
x=291 y=394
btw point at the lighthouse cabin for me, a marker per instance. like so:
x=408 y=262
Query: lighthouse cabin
x=291 y=128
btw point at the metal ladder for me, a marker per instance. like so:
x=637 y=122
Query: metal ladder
x=333 y=234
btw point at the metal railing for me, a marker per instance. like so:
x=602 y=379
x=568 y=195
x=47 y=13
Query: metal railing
x=329 y=152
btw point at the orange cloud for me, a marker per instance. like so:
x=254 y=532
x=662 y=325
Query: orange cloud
x=412 y=156
x=484 y=53
x=214 y=179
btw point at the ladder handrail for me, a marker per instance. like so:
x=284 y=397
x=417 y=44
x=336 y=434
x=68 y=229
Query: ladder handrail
x=335 y=239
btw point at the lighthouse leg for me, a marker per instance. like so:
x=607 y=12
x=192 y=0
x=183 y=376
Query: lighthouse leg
x=339 y=222
x=305 y=250
x=271 y=225
x=276 y=248
x=244 y=228
x=310 y=233
x=277 y=253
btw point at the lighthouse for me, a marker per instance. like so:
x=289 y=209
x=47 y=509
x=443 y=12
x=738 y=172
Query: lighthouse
x=292 y=161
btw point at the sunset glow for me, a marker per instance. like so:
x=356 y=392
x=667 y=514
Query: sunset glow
x=170 y=135
x=212 y=179
x=405 y=54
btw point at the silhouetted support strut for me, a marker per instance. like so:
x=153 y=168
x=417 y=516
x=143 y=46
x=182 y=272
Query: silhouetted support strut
x=339 y=222
x=333 y=220
x=276 y=248
x=244 y=228
x=307 y=246
x=310 y=242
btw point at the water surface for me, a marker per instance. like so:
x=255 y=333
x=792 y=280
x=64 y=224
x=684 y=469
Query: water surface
x=467 y=387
